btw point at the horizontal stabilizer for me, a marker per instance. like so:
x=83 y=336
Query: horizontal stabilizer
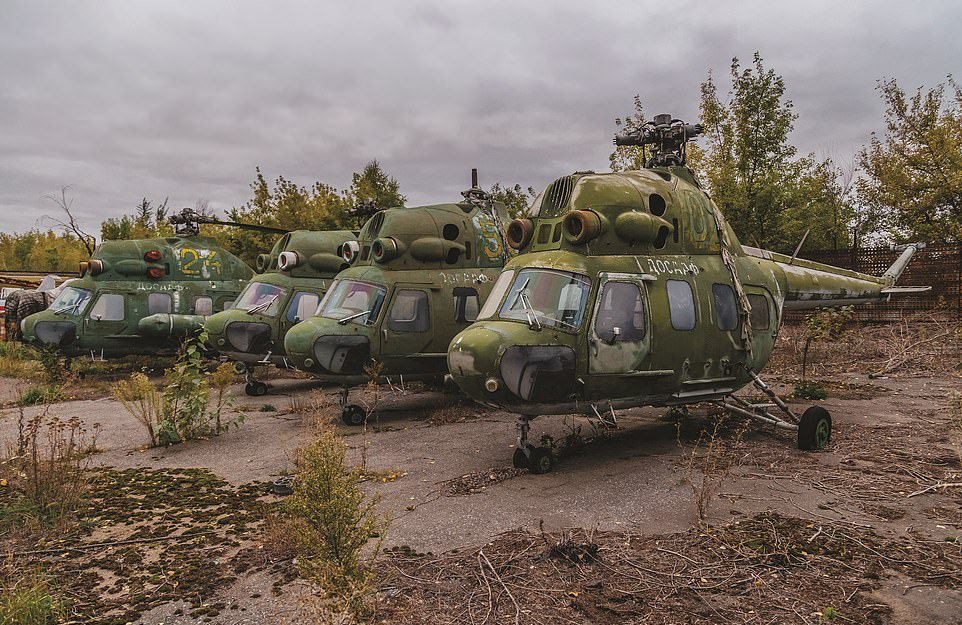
x=905 y=290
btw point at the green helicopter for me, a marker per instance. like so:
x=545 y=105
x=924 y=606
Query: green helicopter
x=291 y=281
x=417 y=276
x=631 y=289
x=142 y=296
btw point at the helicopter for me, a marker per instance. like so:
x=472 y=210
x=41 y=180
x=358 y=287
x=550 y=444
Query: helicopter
x=289 y=285
x=631 y=289
x=140 y=296
x=417 y=276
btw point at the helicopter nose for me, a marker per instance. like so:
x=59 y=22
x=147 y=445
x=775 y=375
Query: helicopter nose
x=248 y=336
x=345 y=355
x=57 y=333
x=539 y=373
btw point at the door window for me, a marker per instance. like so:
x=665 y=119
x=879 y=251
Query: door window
x=410 y=312
x=203 y=306
x=303 y=304
x=466 y=304
x=761 y=319
x=159 y=303
x=726 y=308
x=109 y=307
x=621 y=313
x=497 y=293
x=681 y=303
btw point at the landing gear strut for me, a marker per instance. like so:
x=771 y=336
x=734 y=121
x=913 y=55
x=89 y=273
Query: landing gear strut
x=254 y=388
x=813 y=428
x=351 y=414
x=526 y=455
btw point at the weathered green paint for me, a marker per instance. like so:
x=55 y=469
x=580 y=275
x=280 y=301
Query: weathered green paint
x=193 y=267
x=666 y=366
x=318 y=261
x=418 y=244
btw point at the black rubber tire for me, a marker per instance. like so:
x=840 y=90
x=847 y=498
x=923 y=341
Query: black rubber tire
x=256 y=389
x=353 y=415
x=520 y=459
x=814 y=429
x=541 y=460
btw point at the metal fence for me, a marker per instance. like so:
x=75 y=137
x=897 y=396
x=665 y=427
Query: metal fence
x=938 y=266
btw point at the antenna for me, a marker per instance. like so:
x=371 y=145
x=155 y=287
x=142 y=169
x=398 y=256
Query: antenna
x=476 y=195
x=474 y=177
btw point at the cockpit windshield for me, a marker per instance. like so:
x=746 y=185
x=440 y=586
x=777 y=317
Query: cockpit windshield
x=71 y=302
x=352 y=301
x=260 y=297
x=547 y=298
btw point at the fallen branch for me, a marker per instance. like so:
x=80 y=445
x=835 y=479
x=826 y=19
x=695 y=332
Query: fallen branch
x=936 y=486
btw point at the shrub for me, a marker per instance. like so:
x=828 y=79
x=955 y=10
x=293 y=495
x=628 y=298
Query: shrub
x=17 y=360
x=46 y=471
x=139 y=397
x=40 y=395
x=28 y=600
x=810 y=389
x=332 y=521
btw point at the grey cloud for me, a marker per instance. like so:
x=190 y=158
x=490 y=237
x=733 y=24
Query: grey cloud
x=122 y=100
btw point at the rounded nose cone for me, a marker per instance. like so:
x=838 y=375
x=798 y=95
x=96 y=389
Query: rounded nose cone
x=327 y=348
x=473 y=358
x=298 y=342
x=57 y=333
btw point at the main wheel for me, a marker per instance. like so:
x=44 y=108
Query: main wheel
x=541 y=460
x=353 y=415
x=815 y=429
x=520 y=459
x=256 y=389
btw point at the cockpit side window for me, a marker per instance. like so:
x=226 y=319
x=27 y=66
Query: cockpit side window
x=497 y=294
x=303 y=304
x=108 y=307
x=761 y=317
x=621 y=313
x=681 y=304
x=466 y=304
x=409 y=312
x=203 y=306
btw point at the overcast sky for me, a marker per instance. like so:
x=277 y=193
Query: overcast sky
x=121 y=100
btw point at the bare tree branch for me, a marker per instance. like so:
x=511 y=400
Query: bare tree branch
x=70 y=225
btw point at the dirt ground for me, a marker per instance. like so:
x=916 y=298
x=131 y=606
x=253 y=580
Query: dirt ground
x=868 y=530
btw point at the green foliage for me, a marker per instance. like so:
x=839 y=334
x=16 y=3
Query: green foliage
x=53 y=364
x=516 y=198
x=28 y=600
x=810 y=389
x=144 y=223
x=42 y=394
x=18 y=360
x=626 y=158
x=139 y=397
x=829 y=614
x=332 y=521
x=41 y=250
x=769 y=196
x=186 y=404
x=914 y=170
x=373 y=183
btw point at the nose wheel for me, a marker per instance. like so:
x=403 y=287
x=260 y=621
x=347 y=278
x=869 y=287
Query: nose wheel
x=254 y=387
x=527 y=456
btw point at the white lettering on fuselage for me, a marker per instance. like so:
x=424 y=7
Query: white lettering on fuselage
x=159 y=286
x=660 y=266
x=463 y=278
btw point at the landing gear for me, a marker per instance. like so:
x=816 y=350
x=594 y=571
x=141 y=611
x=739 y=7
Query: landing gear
x=254 y=388
x=813 y=428
x=526 y=456
x=351 y=414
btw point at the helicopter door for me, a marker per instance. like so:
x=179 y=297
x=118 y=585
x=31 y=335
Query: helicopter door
x=618 y=342
x=408 y=331
x=107 y=316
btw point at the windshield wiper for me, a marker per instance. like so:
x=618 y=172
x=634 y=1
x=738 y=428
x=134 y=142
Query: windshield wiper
x=72 y=307
x=344 y=320
x=263 y=305
x=529 y=312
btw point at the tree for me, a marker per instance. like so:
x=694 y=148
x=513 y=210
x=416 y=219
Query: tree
x=627 y=157
x=41 y=250
x=913 y=172
x=373 y=183
x=516 y=198
x=287 y=205
x=144 y=223
x=71 y=225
